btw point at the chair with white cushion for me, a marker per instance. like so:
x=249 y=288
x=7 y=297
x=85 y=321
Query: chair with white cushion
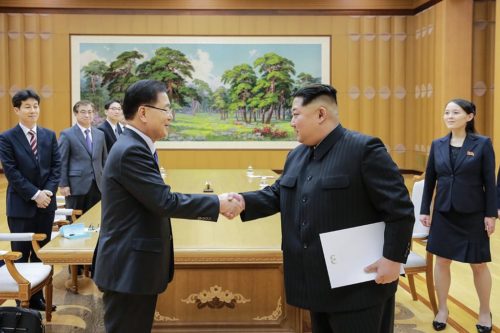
x=21 y=280
x=417 y=263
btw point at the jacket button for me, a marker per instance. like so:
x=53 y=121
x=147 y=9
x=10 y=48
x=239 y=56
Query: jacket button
x=304 y=199
x=305 y=246
x=309 y=178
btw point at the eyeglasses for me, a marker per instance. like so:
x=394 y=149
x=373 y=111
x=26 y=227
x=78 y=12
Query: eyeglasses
x=167 y=111
x=85 y=112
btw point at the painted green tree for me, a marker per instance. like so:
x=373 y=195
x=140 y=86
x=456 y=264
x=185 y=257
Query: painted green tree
x=221 y=101
x=274 y=86
x=93 y=90
x=171 y=67
x=121 y=73
x=241 y=80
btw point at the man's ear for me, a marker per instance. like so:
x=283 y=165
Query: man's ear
x=322 y=113
x=141 y=112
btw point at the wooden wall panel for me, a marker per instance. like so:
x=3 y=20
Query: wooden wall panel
x=391 y=79
x=5 y=104
x=482 y=63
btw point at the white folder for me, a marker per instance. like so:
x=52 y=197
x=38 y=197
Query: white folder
x=348 y=251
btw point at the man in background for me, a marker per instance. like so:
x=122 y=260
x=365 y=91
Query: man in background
x=134 y=261
x=111 y=127
x=32 y=166
x=336 y=179
x=83 y=154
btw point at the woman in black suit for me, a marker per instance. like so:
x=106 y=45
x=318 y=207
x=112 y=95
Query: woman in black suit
x=463 y=164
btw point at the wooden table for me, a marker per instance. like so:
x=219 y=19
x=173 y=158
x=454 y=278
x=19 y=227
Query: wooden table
x=229 y=274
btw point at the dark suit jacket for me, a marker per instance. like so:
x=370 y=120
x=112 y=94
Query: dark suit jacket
x=109 y=134
x=79 y=166
x=468 y=187
x=25 y=174
x=135 y=251
x=349 y=180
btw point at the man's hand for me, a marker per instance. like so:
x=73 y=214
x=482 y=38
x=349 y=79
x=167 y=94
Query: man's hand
x=387 y=270
x=425 y=220
x=65 y=191
x=231 y=204
x=42 y=199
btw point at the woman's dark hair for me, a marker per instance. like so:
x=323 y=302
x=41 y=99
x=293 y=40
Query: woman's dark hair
x=469 y=108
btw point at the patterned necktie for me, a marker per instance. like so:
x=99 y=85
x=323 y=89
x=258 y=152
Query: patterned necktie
x=88 y=140
x=33 y=144
x=155 y=155
x=118 y=130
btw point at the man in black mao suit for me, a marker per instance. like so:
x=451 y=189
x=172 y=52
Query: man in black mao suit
x=32 y=165
x=135 y=259
x=336 y=179
x=111 y=127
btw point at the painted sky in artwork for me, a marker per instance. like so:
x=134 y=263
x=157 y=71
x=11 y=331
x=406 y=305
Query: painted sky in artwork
x=211 y=60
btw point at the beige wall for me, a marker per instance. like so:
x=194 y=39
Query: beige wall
x=393 y=73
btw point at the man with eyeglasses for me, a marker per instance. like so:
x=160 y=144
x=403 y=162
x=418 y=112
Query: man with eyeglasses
x=83 y=154
x=32 y=166
x=134 y=259
x=111 y=127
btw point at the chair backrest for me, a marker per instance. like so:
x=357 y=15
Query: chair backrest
x=419 y=231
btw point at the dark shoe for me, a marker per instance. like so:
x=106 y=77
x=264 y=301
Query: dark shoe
x=485 y=329
x=438 y=326
x=40 y=306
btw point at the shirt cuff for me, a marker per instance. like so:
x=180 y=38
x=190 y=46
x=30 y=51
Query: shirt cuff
x=36 y=195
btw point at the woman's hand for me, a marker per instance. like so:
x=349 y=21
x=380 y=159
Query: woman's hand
x=425 y=220
x=489 y=225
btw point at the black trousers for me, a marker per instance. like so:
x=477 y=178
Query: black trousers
x=377 y=319
x=128 y=313
x=86 y=201
x=41 y=223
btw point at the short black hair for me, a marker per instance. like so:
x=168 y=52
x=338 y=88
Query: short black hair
x=80 y=103
x=140 y=93
x=108 y=103
x=23 y=95
x=310 y=92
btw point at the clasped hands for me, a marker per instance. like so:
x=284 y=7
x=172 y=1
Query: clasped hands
x=231 y=204
x=43 y=198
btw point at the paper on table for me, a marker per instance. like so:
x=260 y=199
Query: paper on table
x=348 y=251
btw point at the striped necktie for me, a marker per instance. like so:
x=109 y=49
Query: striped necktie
x=33 y=143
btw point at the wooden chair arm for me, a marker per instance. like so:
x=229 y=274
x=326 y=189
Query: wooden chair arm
x=11 y=255
x=60 y=223
x=35 y=240
x=9 y=259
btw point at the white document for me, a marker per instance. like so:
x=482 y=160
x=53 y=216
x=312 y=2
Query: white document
x=348 y=251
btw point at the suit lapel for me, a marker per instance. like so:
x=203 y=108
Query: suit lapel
x=94 y=141
x=444 y=150
x=21 y=138
x=469 y=144
x=112 y=133
x=78 y=133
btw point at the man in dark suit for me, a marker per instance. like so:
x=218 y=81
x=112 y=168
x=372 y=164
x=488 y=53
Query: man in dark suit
x=336 y=179
x=111 y=127
x=135 y=259
x=83 y=154
x=32 y=165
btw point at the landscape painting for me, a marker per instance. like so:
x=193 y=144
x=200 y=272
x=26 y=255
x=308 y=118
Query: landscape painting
x=226 y=92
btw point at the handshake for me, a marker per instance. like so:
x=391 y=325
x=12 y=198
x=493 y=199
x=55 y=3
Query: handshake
x=231 y=204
